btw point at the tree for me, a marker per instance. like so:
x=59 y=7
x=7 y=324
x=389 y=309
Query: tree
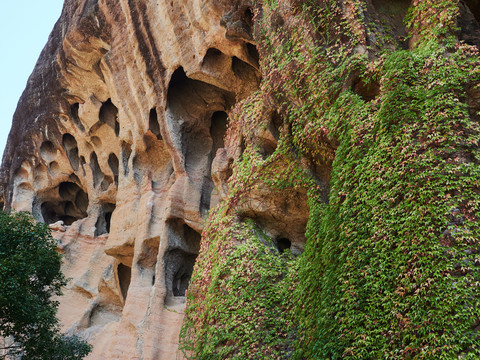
x=29 y=276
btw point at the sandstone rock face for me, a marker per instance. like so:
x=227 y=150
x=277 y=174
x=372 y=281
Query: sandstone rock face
x=305 y=173
x=113 y=144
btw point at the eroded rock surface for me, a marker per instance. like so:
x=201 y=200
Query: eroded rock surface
x=112 y=145
x=305 y=173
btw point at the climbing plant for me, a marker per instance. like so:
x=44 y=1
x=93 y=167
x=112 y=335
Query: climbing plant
x=391 y=265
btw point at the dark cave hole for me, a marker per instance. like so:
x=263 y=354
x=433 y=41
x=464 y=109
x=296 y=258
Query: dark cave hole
x=108 y=220
x=97 y=173
x=218 y=128
x=72 y=206
x=243 y=70
x=82 y=164
x=253 y=54
x=153 y=124
x=212 y=56
x=182 y=236
x=367 y=91
x=178 y=79
x=71 y=149
x=468 y=22
x=75 y=118
x=126 y=152
x=113 y=164
x=180 y=283
x=184 y=243
x=474 y=6
x=179 y=269
x=109 y=115
x=67 y=190
x=248 y=16
x=199 y=108
x=102 y=226
x=124 y=276
x=283 y=244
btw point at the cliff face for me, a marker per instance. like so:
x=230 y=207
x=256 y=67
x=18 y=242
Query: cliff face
x=115 y=136
x=308 y=169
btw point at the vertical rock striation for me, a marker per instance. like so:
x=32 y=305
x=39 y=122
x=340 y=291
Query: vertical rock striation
x=113 y=142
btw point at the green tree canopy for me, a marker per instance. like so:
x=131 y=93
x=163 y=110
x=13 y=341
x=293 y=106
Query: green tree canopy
x=29 y=276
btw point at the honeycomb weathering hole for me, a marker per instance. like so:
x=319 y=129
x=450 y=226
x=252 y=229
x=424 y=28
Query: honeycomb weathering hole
x=75 y=118
x=218 y=129
x=179 y=269
x=124 y=276
x=71 y=206
x=474 y=6
x=97 y=173
x=283 y=244
x=109 y=115
x=184 y=245
x=70 y=145
x=113 y=164
x=48 y=152
x=153 y=124
x=102 y=226
x=126 y=152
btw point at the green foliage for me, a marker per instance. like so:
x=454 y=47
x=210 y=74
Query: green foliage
x=29 y=276
x=397 y=244
x=391 y=267
x=240 y=297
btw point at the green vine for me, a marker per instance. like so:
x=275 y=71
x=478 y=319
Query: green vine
x=391 y=266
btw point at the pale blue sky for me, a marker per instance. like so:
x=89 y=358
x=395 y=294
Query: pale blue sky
x=24 y=28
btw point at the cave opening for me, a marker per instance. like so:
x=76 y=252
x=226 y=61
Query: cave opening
x=71 y=149
x=153 y=124
x=113 y=164
x=102 y=225
x=184 y=246
x=197 y=110
x=248 y=16
x=368 y=91
x=126 y=152
x=243 y=71
x=124 y=277
x=468 y=22
x=218 y=128
x=71 y=206
x=109 y=116
x=253 y=54
x=213 y=55
x=474 y=6
x=75 y=118
x=179 y=270
x=283 y=244
x=97 y=173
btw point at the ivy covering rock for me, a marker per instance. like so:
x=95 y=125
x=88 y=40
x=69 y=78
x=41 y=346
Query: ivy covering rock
x=381 y=132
